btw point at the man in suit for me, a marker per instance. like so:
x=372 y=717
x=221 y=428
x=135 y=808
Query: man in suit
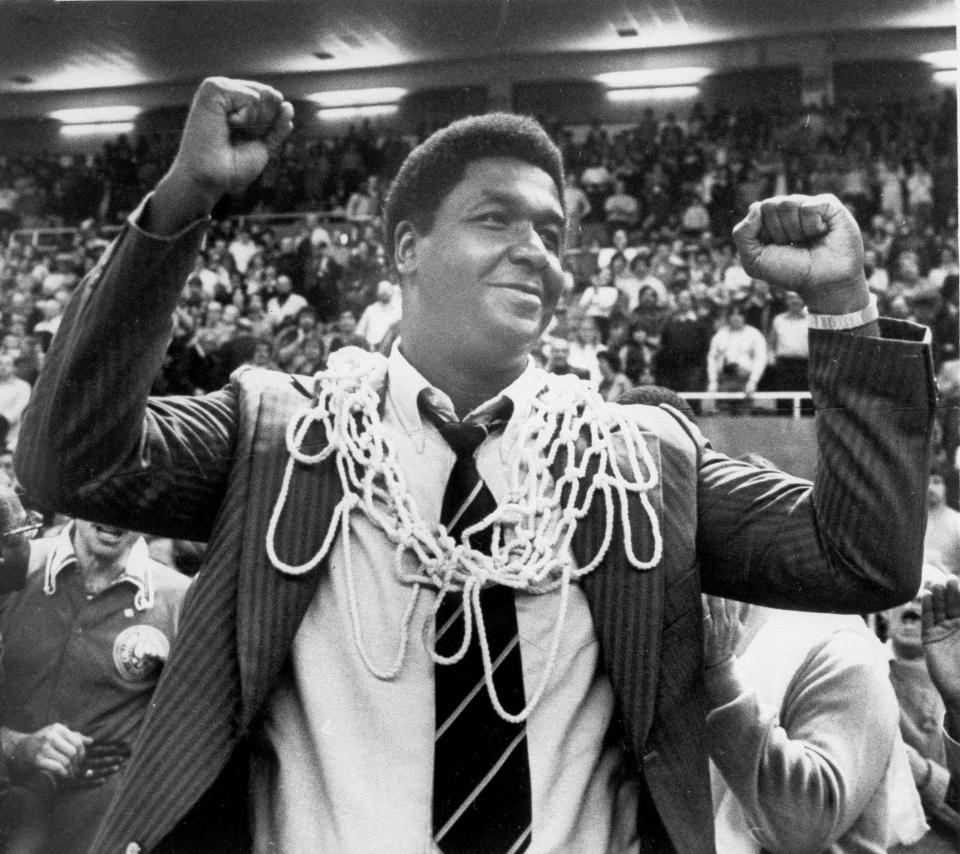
x=339 y=528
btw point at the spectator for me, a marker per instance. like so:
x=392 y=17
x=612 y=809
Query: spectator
x=737 y=358
x=284 y=306
x=577 y=205
x=940 y=631
x=877 y=279
x=344 y=333
x=621 y=209
x=380 y=316
x=789 y=352
x=558 y=360
x=681 y=359
x=941 y=542
x=921 y=724
x=242 y=249
x=72 y=703
x=792 y=696
x=920 y=192
x=612 y=382
x=14 y=397
x=584 y=347
x=601 y=298
x=363 y=206
x=321 y=281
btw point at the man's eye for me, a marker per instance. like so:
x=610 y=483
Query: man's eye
x=550 y=238
x=492 y=218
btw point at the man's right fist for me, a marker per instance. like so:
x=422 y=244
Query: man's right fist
x=232 y=129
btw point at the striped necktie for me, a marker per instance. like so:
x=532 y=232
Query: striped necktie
x=481 y=775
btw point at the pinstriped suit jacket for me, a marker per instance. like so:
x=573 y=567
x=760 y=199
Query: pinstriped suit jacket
x=210 y=468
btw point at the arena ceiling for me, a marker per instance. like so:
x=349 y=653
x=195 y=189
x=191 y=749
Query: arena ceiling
x=48 y=46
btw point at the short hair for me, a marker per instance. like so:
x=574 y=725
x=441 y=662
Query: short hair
x=654 y=395
x=437 y=165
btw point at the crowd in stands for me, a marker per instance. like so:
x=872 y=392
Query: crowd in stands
x=655 y=294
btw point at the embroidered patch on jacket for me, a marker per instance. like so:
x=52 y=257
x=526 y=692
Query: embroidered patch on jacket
x=139 y=652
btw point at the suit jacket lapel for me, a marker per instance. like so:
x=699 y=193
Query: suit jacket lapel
x=626 y=605
x=270 y=603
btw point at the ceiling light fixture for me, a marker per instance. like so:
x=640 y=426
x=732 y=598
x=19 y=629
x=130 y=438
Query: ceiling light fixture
x=92 y=115
x=97 y=128
x=683 y=76
x=362 y=111
x=652 y=93
x=940 y=58
x=358 y=97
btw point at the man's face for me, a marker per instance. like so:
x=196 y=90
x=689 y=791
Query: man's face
x=904 y=629
x=103 y=542
x=485 y=279
x=936 y=491
x=559 y=354
x=347 y=323
x=794 y=303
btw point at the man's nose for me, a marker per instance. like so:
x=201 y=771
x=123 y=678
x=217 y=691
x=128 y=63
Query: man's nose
x=528 y=248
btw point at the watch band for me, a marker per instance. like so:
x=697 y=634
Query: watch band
x=840 y=322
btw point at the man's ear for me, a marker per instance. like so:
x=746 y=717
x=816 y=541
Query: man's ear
x=405 y=248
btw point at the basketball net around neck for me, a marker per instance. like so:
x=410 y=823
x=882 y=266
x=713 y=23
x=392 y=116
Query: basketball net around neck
x=569 y=426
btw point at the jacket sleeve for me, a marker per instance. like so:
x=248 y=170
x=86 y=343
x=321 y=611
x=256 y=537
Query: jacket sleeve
x=92 y=443
x=801 y=774
x=853 y=540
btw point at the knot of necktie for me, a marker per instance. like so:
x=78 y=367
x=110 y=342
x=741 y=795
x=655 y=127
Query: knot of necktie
x=464 y=437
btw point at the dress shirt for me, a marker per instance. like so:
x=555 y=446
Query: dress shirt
x=745 y=348
x=354 y=752
x=791 y=336
x=376 y=320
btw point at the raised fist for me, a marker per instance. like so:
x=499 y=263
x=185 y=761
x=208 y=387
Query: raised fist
x=232 y=129
x=808 y=244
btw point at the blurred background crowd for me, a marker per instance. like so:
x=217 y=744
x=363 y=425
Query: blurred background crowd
x=295 y=268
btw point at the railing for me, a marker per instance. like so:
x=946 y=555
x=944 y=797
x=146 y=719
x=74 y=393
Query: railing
x=61 y=238
x=796 y=398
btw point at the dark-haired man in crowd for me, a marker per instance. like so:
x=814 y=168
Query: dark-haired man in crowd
x=486 y=699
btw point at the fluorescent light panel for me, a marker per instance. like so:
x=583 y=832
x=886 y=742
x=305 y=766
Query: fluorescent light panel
x=941 y=58
x=652 y=93
x=358 y=97
x=88 y=115
x=647 y=77
x=97 y=128
x=362 y=111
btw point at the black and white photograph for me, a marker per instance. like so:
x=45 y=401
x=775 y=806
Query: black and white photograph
x=479 y=427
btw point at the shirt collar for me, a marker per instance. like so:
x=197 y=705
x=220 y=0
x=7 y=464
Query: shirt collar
x=63 y=555
x=405 y=382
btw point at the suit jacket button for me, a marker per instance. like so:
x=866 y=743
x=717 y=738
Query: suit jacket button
x=132 y=848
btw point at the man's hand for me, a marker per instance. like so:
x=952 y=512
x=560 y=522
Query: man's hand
x=722 y=630
x=55 y=749
x=233 y=128
x=940 y=626
x=808 y=244
x=102 y=761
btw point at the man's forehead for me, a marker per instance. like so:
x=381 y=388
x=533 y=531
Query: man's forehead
x=507 y=179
